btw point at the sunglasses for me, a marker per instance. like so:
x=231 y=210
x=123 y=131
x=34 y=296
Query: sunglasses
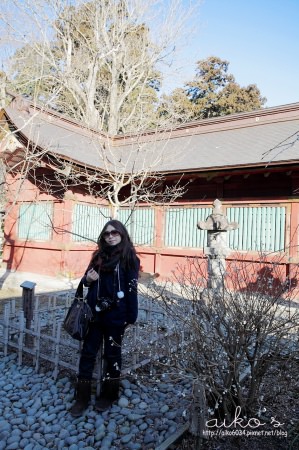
x=106 y=234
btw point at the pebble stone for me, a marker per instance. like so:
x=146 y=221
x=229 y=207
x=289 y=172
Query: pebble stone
x=35 y=412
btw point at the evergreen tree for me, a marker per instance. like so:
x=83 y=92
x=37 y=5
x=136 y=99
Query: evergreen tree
x=213 y=92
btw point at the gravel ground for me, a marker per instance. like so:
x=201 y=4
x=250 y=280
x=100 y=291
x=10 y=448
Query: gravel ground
x=35 y=412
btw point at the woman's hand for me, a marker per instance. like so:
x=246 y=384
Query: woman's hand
x=91 y=276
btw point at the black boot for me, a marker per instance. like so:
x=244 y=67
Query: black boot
x=82 y=396
x=109 y=393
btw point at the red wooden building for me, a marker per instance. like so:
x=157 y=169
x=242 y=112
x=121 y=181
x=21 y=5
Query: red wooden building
x=249 y=161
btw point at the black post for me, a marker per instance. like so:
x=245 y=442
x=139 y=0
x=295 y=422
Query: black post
x=27 y=305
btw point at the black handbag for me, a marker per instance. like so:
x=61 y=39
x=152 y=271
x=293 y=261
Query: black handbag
x=77 y=320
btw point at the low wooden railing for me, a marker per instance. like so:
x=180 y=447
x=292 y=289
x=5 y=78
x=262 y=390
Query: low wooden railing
x=43 y=341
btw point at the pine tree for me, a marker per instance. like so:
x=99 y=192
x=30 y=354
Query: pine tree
x=213 y=92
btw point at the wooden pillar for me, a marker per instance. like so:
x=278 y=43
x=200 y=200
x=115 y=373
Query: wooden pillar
x=294 y=232
x=159 y=244
x=292 y=266
x=63 y=223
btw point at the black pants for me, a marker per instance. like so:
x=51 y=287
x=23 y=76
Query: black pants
x=112 y=338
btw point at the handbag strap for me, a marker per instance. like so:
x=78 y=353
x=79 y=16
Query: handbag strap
x=79 y=291
x=99 y=287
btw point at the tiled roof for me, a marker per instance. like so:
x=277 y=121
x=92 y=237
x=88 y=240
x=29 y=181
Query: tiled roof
x=62 y=137
x=260 y=138
x=263 y=144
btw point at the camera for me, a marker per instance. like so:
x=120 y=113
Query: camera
x=103 y=304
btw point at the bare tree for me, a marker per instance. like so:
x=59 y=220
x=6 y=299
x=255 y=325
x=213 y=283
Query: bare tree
x=97 y=61
x=233 y=336
x=125 y=183
x=127 y=173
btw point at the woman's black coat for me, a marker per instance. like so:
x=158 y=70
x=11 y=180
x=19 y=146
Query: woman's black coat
x=125 y=310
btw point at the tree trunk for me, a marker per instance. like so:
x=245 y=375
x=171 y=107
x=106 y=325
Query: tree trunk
x=114 y=211
x=113 y=103
x=198 y=411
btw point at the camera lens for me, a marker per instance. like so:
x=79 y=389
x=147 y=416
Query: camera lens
x=103 y=304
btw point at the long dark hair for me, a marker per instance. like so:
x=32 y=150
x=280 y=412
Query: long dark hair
x=124 y=251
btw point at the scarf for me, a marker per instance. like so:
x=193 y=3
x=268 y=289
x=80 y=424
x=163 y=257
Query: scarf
x=109 y=257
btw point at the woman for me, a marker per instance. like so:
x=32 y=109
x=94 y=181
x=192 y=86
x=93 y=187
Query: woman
x=111 y=278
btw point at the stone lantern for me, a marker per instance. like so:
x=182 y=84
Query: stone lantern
x=217 y=226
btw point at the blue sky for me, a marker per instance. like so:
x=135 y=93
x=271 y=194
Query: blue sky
x=259 y=38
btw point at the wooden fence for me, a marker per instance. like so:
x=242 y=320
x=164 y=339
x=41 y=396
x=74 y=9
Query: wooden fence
x=39 y=337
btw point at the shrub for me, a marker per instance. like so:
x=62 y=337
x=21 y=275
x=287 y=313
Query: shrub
x=233 y=334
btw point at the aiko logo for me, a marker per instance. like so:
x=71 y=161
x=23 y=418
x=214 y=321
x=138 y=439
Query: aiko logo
x=240 y=422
